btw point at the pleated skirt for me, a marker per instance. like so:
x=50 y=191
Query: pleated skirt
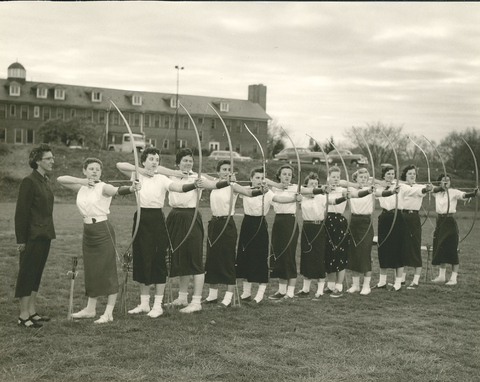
x=360 y=248
x=312 y=258
x=283 y=264
x=445 y=241
x=391 y=251
x=413 y=240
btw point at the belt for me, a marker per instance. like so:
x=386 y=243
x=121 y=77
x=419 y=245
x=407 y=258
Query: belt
x=286 y=214
x=388 y=211
x=361 y=214
x=410 y=211
x=334 y=213
x=445 y=215
x=219 y=217
x=312 y=222
x=98 y=219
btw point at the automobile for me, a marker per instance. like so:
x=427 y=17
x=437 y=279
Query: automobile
x=347 y=156
x=306 y=156
x=225 y=154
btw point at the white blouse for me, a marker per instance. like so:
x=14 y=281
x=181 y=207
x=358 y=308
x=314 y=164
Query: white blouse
x=220 y=201
x=362 y=206
x=410 y=197
x=92 y=203
x=154 y=189
x=387 y=202
x=285 y=208
x=441 y=201
x=185 y=199
x=314 y=208
x=336 y=193
x=253 y=205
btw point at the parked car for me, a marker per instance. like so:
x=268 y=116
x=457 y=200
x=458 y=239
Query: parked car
x=347 y=156
x=225 y=154
x=306 y=156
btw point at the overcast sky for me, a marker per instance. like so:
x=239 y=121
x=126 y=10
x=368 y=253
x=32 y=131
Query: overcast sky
x=327 y=66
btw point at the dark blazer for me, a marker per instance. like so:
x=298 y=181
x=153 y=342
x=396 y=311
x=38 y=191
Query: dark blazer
x=34 y=210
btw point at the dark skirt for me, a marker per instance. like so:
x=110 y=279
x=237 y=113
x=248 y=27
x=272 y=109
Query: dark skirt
x=360 y=251
x=220 y=263
x=413 y=240
x=312 y=260
x=252 y=251
x=336 y=250
x=150 y=247
x=99 y=259
x=445 y=241
x=391 y=251
x=188 y=258
x=283 y=261
x=32 y=263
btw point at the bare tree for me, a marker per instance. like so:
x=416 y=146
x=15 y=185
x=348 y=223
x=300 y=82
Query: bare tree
x=456 y=153
x=275 y=136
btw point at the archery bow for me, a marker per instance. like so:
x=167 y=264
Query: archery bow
x=428 y=175
x=373 y=183
x=195 y=214
x=476 y=197
x=396 y=194
x=230 y=206
x=299 y=174
x=348 y=182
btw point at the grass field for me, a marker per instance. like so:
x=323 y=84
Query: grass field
x=430 y=334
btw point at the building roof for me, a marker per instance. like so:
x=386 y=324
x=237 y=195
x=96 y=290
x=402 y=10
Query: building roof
x=16 y=65
x=80 y=97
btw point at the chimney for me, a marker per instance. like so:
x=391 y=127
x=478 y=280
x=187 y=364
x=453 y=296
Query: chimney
x=258 y=94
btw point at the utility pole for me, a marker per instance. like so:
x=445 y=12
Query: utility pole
x=176 y=111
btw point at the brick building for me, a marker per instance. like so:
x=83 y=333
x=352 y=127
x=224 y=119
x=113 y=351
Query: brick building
x=25 y=105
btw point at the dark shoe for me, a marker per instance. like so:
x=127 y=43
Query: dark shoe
x=302 y=294
x=28 y=323
x=210 y=301
x=277 y=296
x=246 y=299
x=336 y=294
x=327 y=291
x=412 y=286
x=223 y=306
x=35 y=317
x=403 y=283
x=384 y=286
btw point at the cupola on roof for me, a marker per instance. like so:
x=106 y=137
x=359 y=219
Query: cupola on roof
x=16 y=65
x=17 y=71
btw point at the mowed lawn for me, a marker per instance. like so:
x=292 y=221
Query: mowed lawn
x=430 y=334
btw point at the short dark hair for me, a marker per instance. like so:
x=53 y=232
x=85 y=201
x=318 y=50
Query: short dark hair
x=386 y=169
x=312 y=175
x=87 y=161
x=279 y=171
x=221 y=163
x=183 y=153
x=407 y=169
x=256 y=170
x=441 y=176
x=148 y=151
x=37 y=154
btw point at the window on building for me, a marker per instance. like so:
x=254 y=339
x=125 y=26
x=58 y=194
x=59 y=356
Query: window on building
x=200 y=121
x=3 y=136
x=101 y=116
x=228 y=124
x=73 y=113
x=224 y=106
x=46 y=113
x=42 y=92
x=186 y=123
x=14 y=90
x=13 y=111
x=146 y=120
x=115 y=118
x=213 y=124
x=30 y=136
x=214 y=146
x=200 y=135
x=3 y=111
x=173 y=103
x=239 y=127
x=256 y=127
x=61 y=113
x=166 y=144
x=89 y=115
x=182 y=144
x=24 y=112
x=153 y=142
x=59 y=94
x=166 y=121
x=96 y=97
x=36 y=112
x=156 y=120
x=18 y=136
x=136 y=119
x=137 y=100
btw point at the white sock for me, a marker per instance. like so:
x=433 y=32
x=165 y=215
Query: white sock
x=416 y=279
x=260 y=293
x=442 y=272
x=355 y=281
x=227 y=299
x=366 y=281
x=183 y=296
x=404 y=276
x=290 y=291
x=212 y=294
x=306 y=285
x=320 y=287
x=145 y=300
x=383 y=280
x=158 y=301
x=196 y=299
x=282 y=288
x=453 y=277
x=398 y=283
x=331 y=285
x=91 y=305
x=247 y=289
x=109 y=310
x=339 y=287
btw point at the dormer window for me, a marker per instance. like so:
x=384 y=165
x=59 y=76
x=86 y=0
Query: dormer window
x=14 y=89
x=59 y=94
x=137 y=100
x=42 y=92
x=224 y=106
x=96 y=97
x=173 y=103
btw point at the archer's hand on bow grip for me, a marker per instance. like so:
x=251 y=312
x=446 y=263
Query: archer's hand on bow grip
x=137 y=186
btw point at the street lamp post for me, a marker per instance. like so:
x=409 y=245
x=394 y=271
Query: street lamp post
x=176 y=105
